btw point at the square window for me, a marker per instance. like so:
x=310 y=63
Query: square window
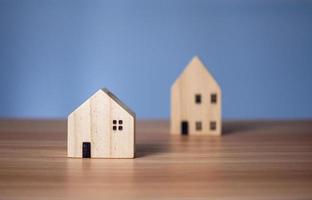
x=198 y=126
x=118 y=126
x=213 y=98
x=197 y=98
x=213 y=125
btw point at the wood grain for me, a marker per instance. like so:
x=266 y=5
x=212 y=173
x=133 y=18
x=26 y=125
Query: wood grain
x=196 y=80
x=93 y=122
x=253 y=160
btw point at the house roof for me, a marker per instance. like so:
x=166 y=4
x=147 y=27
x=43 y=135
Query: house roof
x=112 y=96
x=195 y=62
x=118 y=101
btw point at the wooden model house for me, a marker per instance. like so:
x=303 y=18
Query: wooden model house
x=102 y=127
x=196 y=102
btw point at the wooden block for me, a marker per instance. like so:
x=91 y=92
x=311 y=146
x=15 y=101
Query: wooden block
x=196 y=102
x=103 y=127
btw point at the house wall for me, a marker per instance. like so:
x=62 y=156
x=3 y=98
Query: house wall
x=121 y=141
x=195 y=80
x=93 y=122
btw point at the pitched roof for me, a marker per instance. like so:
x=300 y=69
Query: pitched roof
x=196 y=62
x=118 y=101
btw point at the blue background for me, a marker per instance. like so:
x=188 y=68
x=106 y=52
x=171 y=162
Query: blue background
x=55 y=54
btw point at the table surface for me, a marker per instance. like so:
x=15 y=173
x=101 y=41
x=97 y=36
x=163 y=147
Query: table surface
x=252 y=160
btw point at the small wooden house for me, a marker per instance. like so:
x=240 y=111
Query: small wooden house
x=196 y=102
x=102 y=127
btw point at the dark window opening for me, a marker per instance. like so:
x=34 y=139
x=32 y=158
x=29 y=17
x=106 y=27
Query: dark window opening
x=184 y=128
x=198 y=126
x=86 y=150
x=213 y=98
x=213 y=125
x=197 y=98
x=118 y=127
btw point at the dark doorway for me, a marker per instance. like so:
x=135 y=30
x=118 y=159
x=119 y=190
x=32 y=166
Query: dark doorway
x=184 y=128
x=86 y=150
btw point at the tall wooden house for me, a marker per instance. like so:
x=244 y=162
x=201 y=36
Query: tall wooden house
x=101 y=127
x=196 y=102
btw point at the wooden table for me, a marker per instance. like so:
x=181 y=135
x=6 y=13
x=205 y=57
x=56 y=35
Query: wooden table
x=252 y=160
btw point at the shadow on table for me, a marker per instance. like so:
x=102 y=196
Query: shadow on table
x=143 y=150
x=240 y=127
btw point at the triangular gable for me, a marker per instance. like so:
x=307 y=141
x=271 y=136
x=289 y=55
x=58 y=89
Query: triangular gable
x=196 y=62
x=112 y=96
x=118 y=101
